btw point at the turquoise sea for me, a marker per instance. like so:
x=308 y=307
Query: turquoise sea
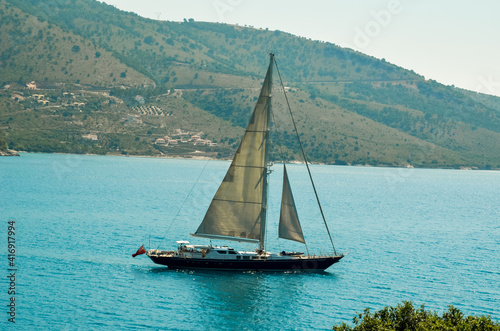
x=429 y=236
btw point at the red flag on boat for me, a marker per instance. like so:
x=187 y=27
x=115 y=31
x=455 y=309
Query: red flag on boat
x=140 y=251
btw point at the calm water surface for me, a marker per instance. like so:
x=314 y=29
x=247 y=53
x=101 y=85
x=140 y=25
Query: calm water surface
x=429 y=236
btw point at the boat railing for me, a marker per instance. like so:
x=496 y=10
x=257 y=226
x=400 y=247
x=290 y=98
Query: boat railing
x=320 y=256
x=157 y=252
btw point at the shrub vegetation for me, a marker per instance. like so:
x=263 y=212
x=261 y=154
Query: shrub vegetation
x=405 y=317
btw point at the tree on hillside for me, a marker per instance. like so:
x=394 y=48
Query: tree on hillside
x=149 y=40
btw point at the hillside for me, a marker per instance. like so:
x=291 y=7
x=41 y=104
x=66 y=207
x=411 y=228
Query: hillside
x=114 y=82
x=34 y=49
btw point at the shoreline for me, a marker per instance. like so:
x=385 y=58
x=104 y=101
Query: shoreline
x=201 y=157
x=9 y=152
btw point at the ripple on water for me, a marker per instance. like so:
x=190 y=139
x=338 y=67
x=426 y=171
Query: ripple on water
x=431 y=238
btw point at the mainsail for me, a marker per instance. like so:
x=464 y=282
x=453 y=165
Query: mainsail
x=238 y=209
x=289 y=226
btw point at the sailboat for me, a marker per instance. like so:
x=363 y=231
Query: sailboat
x=238 y=211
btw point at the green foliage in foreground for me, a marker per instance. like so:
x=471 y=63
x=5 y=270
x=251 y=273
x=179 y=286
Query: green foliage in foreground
x=405 y=317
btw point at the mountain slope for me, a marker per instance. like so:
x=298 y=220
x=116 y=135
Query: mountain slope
x=351 y=108
x=32 y=49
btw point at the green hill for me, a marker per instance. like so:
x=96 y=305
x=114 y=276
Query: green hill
x=114 y=82
x=35 y=49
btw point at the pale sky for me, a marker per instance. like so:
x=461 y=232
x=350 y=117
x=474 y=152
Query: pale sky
x=453 y=42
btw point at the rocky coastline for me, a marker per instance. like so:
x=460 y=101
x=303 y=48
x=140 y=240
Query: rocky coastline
x=9 y=152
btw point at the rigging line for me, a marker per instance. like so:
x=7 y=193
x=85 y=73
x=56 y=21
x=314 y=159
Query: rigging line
x=183 y=203
x=307 y=250
x=283 y=160
x=304 y=156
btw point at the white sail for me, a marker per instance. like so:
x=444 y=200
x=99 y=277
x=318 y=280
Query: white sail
x=237 y=211
x=289 y=226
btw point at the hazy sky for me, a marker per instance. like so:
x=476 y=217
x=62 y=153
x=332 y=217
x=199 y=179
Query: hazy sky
x=453 y=42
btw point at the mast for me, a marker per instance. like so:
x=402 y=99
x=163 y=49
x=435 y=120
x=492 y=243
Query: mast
x=266 y=162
